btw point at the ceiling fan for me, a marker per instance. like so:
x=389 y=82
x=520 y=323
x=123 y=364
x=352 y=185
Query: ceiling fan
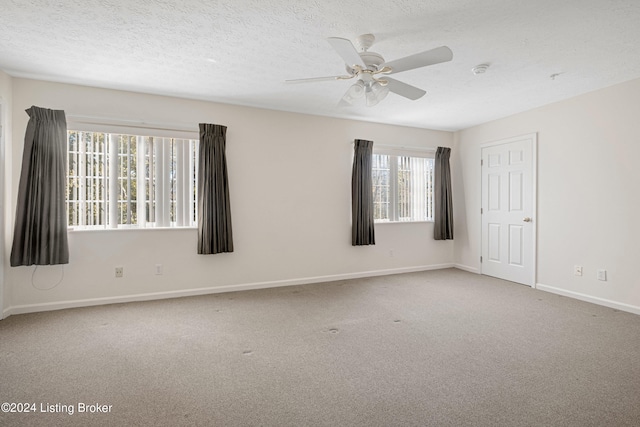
x=372 y=72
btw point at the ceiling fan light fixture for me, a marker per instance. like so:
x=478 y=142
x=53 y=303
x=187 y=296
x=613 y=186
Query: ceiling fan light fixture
x=355 y=91
x=370 y=95
x=381 y=90
x=371 y=99
x=375 y=92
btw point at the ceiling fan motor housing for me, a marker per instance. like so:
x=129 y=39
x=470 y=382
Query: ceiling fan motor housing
x=372 y=60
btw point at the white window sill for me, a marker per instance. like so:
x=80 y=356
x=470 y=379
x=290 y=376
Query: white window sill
x=403 y=222
x=86 y=229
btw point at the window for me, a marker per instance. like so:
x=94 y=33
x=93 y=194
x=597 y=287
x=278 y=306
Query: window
x=130 y=181
x=402 y=188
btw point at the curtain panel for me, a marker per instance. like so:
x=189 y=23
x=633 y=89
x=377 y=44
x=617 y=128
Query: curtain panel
x=442 y=199
x=40 y=232
x=214 y=208
x=362 y=227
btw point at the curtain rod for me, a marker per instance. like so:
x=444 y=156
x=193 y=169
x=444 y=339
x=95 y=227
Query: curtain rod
x=403 y=147
x=140 y=124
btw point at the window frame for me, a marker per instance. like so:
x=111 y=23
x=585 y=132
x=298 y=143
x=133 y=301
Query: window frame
x=112 y=176
x=394 y=153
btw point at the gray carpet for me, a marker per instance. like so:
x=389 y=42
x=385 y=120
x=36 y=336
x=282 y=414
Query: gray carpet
x=438 y=348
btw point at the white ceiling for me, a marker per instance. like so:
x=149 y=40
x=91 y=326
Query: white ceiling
x=242 y=51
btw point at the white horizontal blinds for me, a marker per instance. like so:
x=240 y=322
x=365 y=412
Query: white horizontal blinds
x=381 y=187
x=120 y=180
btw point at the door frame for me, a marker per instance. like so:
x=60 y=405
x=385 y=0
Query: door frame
x=534 y=190
x=3 y=164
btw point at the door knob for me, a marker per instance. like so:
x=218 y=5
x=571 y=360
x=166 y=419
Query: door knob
x=527 y=219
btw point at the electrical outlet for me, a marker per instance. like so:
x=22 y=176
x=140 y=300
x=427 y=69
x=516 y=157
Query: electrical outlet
x=577 y=270
x=602 y=275
x=158 y=269
x=119 y=271
x=391 y=253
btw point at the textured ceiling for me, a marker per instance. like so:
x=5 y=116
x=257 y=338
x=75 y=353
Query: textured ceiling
x=241 y=51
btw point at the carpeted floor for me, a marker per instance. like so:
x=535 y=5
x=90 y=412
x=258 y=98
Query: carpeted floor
x=437 y=348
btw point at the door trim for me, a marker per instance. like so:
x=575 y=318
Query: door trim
x=534 y=180
x=3 y=160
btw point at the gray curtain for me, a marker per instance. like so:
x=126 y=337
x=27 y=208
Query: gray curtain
x=443 y=206
x=214 y=209
x=362 y=230
x=40 y=232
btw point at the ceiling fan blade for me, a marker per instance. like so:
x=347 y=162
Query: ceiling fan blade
x=318 y=79
x=404 y=89
x=346 y=51
x=430 y=57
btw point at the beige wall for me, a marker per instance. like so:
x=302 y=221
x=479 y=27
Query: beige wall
x=289 y=178
x=588 y=192
x=5 y=167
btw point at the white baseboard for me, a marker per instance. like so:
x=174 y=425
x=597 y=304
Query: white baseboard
x=60 y=305
x=588 y=298
x=467 y=268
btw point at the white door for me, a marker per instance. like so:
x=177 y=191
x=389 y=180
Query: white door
x=508 y=209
